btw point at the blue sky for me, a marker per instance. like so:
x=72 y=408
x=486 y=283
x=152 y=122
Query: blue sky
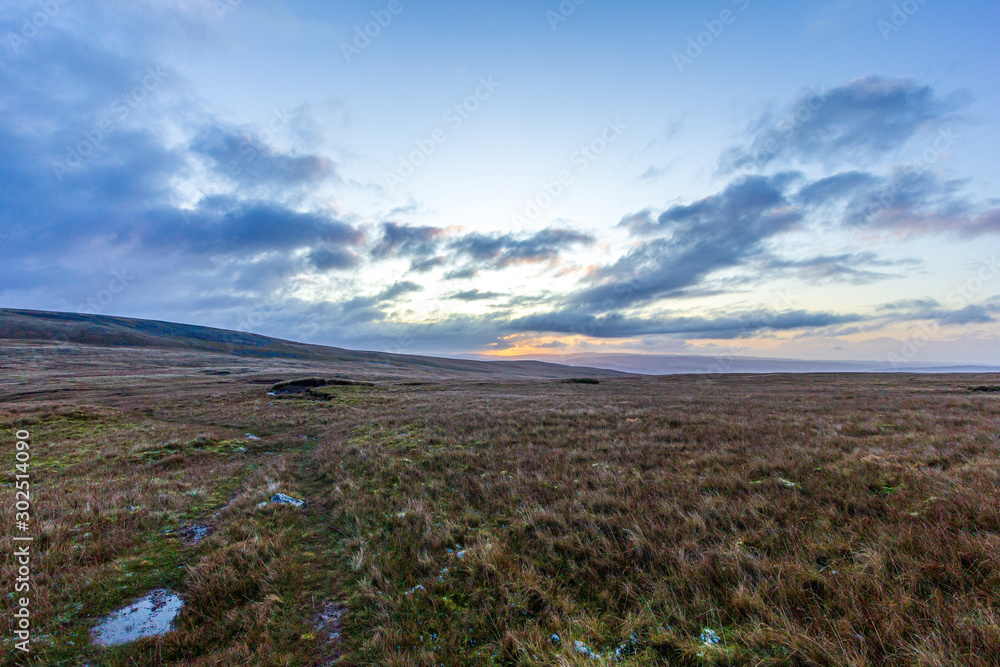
x=792 y=179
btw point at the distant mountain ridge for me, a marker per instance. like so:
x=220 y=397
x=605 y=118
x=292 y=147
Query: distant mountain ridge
x=692 y=364
x=110 y=331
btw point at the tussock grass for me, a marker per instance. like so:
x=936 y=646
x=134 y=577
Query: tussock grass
x=805 y=520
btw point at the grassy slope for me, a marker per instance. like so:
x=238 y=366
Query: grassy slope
x=121 y=332
x=810 y=520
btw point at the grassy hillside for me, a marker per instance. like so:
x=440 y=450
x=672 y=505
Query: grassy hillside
x=106 y=331
x=798 y=520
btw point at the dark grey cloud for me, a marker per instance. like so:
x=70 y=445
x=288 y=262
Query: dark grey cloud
x=424 y=265
x=463 y=273
x=732 y=325
x=333 y=258
x=367 y=307
x=430 y=247
x=222 y=226
x=908 y=199
x=474 y=295
x=838 y=187
x=226 y=257
x=240 y=154
x=91 y=180
x=718 y=232
x=399 y=289
x=932 y=309
x=867 y=118
x=856 y=268
x=465 y=331
x=971 y=314
x=494 y=251
x=909 y=304
x=905 y=198
x=400 y=240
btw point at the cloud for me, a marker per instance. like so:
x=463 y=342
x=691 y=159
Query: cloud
x=727 y=326
x=721 y=231
x=100 y=152
x=478 y=251
x=931 y=309
x=907 y=200
x=418 y=265
x=971 y=314
x=855 y=268
x=367 y=305
x=256 y=240
x=836 y=188
x=495 y=251
x=241 y=155
x=474 y=295
x=462 y=273
x=909 y=304
x=407 y=241
x=330 y=259
x=865 y=119
x=222 y=226
x=399 y=289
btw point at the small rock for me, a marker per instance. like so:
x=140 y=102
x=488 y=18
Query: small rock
x=282 y=499
x=195 y=533
x=709 y=637
x=586 y=650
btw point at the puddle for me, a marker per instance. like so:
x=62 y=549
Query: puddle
x=149 y=616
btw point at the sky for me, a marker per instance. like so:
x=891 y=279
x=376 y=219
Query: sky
x=813 y=179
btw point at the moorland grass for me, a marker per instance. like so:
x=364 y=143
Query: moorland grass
x=803 y=520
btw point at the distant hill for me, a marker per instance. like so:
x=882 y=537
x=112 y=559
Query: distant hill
x=107 y=331
x=652 y=364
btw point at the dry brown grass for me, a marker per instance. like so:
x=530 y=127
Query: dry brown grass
x=807 y=520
